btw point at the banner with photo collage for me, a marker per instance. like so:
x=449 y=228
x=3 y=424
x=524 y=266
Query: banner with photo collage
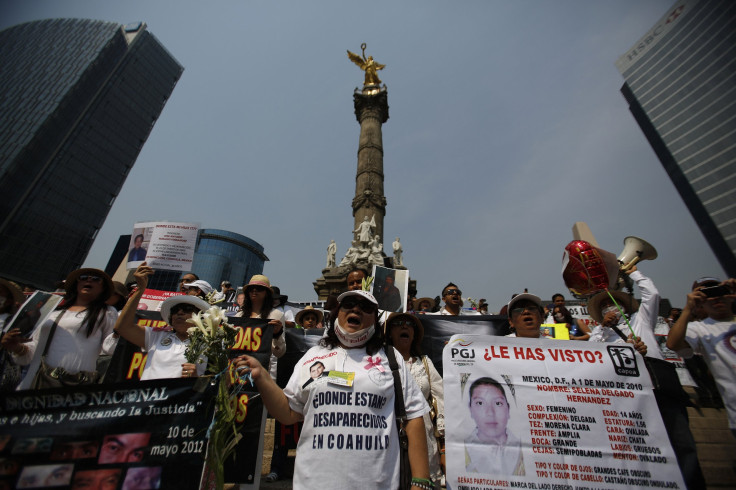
x=150 y=434
x=541 y=413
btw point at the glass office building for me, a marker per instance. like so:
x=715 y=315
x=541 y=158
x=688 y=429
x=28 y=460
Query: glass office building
x=681 y=89
x=219 y=255
x=78 y=99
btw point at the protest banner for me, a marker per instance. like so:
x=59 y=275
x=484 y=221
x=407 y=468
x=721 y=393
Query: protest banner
x=540 y=413
x=150 y=434
x=152 y=299
x=171 y=245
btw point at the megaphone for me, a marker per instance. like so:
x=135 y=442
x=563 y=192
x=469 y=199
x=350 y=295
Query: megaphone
x=635 y=250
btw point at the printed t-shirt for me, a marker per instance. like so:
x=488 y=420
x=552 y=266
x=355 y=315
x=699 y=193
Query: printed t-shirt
x=349 y=438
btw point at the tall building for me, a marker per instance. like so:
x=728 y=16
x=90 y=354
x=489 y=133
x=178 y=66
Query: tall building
x=681 y=88
x=78 y=99
x=218 y=256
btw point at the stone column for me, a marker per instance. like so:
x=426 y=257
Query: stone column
x=371 y=111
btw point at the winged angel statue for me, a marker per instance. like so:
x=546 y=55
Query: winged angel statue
x=368 y=65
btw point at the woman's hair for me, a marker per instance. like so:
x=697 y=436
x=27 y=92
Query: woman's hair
x=266 y=308
x=95 y=310
x=565 y=313
x=415 y=350
x=331 y=341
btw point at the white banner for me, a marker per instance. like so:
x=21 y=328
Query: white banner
x=546 y=414
x=170 y=246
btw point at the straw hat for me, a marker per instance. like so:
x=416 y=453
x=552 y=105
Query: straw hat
x=628 y=303
x=73 y=277
x=309 y=309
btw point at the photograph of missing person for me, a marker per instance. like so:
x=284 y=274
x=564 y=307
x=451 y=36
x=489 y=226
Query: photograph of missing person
x=124 y=448
x=43 y=476
x=491 y=447
x=137 y=253
x=316 y=371
x=97 y=479
x=32 y=445
x=143 y=478
x=390 y=288
x=74 y=450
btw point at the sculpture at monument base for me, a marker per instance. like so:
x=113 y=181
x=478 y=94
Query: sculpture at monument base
x=397 y=252
x=331 y=254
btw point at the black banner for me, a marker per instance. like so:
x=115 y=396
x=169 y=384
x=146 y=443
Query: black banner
x=148 y=434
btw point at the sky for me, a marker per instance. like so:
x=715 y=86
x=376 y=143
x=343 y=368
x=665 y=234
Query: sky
x=506 y=126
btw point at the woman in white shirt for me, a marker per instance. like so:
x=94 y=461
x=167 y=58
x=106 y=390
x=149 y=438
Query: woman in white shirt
x=165 y=348
x=84 y=322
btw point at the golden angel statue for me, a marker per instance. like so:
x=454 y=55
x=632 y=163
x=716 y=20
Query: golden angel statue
x=368 y=65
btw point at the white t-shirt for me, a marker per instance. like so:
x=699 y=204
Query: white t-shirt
x=165 y=355
x=349 y=438
x=70 y=347
x=493 y=459
x=716 y=341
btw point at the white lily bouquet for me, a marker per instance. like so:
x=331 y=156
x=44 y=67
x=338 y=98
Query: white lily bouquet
x=211 y=338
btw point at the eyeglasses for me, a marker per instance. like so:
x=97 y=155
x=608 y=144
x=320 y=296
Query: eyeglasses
x=522 y=309
x=450 y=292
x=86 y=277
x=258 y=289
x=351 y=302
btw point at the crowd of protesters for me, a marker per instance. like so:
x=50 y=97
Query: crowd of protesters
x=96 y=311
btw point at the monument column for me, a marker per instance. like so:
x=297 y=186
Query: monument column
x=371 y=111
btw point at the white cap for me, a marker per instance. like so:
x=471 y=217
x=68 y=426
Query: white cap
x=531 y=297
x=204 y=286
x=363 y=294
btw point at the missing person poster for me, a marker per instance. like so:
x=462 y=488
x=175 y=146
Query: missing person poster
x=523 y=413
x=163 y=245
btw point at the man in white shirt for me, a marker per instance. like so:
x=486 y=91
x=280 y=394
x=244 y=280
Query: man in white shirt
x=714 y=337
x=452 y=296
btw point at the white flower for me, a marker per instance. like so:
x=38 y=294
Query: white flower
x=197 y=321
x=208 y=324
x=217 y=314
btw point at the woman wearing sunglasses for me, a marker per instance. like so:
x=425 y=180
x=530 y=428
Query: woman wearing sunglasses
x=165 y=348
x=258 y=303
x=349 y=438
x=83 y=323
x=405 y=332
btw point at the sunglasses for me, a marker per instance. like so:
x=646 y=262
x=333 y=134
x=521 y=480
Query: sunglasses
x=185 y=308
x=258 y=289
x=450 y=292
x=400 y=323
x=522 y=309
x=86 y=277
x=351 y=302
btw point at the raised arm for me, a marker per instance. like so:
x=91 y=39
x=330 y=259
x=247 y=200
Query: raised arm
x=274 y=398
x=127 y=324
x=676 y=338
x=646 y=317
